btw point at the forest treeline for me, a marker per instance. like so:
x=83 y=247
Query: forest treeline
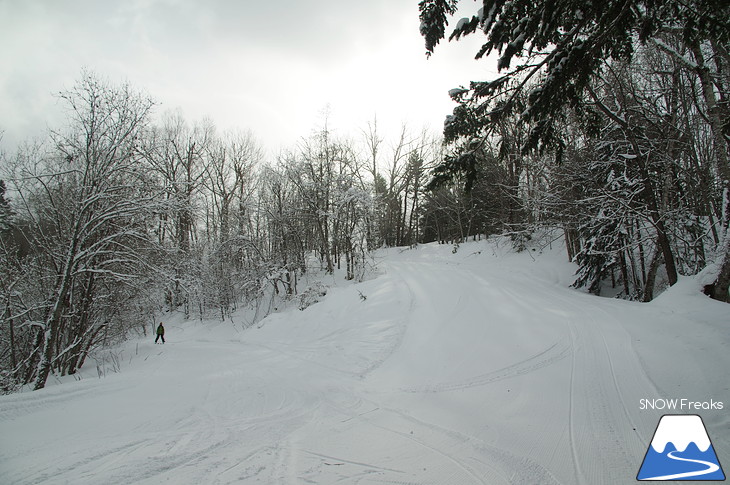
x=121 y=214
x=609 y=119
x=613 y=130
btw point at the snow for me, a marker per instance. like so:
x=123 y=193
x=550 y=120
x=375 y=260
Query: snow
x=455 y=92
x=677 y=55
x=462 y=22
x=480 y=367
x=487 y=21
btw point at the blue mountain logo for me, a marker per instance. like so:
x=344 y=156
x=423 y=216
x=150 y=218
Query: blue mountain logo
x=681 y=450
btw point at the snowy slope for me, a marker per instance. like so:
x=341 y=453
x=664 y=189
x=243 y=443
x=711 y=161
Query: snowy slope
x=480 y=367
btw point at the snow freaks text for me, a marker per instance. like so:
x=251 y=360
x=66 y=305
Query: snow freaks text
x=679 y=404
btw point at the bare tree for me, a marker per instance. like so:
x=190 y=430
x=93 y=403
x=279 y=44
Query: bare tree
x=88 y=204
x=175 y=153
x=230 y=182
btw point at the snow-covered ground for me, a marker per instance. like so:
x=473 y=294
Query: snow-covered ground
x=480 y=367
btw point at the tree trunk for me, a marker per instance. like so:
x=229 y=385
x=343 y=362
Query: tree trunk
x=651 y=275
x=722 y=283
x=11 y=323
x=656 y=218
x=572 y=241
x=49 y=338
x=50 y=332
x=625 y=273
x=714 y=113
x=82 y=355
x=649 y=195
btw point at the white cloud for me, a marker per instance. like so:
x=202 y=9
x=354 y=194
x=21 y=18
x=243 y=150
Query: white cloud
x=270 y=66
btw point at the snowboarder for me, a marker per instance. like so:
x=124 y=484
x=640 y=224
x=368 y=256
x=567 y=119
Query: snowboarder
x=160 y=333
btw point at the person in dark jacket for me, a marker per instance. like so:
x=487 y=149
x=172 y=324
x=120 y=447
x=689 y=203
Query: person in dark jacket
x=160 y=333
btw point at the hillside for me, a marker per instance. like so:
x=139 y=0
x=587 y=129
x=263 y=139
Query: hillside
x=475 y=367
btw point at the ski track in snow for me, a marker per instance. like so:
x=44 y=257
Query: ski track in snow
x=455 y=370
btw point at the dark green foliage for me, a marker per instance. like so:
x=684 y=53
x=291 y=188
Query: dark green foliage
x=628 y=76
x=599 y=255
x=434 y=19
x=563 y=45
x=465 y=163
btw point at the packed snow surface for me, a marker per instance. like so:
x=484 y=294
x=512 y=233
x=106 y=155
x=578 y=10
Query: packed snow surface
x=479 y=367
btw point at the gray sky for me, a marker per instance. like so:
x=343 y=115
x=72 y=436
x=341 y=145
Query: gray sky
x=269 y=66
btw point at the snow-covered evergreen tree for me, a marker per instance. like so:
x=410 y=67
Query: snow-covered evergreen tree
x=563 y=49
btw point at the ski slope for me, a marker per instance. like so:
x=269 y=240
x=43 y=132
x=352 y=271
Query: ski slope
x=480 y=367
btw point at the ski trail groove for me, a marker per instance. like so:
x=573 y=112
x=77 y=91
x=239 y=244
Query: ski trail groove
x=484 y=371
x=580 y=477
x=449 y=439
x=554 y=353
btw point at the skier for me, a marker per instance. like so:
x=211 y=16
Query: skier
x=160 y=333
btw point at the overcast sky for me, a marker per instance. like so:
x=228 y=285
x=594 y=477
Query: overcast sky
x=269 y=66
